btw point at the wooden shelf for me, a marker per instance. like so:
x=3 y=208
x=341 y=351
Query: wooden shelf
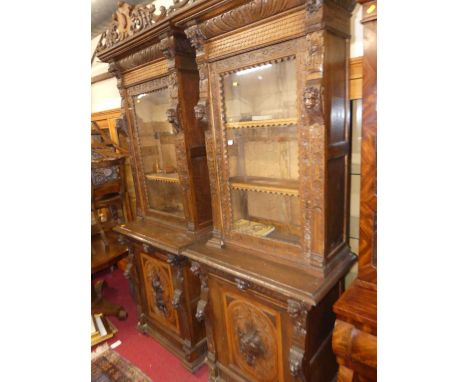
x=166 y=178
x=269 y=185
x=263 y=123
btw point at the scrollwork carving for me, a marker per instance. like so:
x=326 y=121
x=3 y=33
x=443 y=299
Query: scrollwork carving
x=129 y=20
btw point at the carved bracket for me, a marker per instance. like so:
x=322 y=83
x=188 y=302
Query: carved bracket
x=295 y=363
x=298 y=312
x=196 y=36
x=176 y=298
x=129 y=266
x=201 y=307
x=313 y=6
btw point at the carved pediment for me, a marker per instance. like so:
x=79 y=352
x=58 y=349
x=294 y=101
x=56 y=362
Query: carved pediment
x=129 y=20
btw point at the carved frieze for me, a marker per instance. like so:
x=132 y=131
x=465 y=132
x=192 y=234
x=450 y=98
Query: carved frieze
x=246 y=14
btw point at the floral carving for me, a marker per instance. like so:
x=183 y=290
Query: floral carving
x=158 y=293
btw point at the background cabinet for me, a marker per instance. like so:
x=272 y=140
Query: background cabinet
x=355 y=334
x=158 y=82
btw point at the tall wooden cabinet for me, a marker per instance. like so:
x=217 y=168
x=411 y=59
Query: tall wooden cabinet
x=355 y=334
x=274 y=104
x=157 y=77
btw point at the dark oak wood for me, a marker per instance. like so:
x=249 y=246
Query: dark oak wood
x=147 y=54
x=267 y=302
x=355 y=334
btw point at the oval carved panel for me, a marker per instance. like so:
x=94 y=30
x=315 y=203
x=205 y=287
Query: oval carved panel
x=253 y=338
x=159 y=290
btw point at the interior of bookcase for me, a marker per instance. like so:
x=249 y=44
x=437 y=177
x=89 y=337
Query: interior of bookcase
x=157 y=151
x=260 y=119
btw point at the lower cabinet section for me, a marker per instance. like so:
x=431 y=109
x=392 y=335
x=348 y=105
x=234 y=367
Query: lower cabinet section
x=166 y=294
x=258 y=334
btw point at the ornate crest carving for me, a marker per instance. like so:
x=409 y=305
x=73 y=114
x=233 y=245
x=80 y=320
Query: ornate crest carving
x=129 y=20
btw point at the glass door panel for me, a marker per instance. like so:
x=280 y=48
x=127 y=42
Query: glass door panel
x=157 y=151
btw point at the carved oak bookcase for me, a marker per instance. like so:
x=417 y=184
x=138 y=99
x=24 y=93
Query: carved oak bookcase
x=355 y=334
x=158 y=79
x=274 y=105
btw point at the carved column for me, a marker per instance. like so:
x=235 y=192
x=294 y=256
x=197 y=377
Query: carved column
x=197 y=39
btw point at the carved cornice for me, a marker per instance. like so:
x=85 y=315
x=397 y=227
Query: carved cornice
x=246 y=14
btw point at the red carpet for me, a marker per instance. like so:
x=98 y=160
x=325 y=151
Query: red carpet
x=141 y=350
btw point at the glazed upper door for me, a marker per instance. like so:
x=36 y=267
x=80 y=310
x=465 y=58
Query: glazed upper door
x=257 y=130
x=156 y=141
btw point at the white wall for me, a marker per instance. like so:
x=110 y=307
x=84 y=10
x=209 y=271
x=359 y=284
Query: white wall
x=104 y=94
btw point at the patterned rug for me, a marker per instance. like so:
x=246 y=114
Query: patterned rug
x=109 y=366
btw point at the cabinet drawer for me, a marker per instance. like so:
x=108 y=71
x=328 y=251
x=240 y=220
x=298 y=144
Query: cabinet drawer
x=159 y=291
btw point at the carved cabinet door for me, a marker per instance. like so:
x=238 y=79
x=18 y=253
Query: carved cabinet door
x=249 y=344
x=159 y=291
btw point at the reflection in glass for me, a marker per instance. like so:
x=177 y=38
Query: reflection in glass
x=157 y=151
x=263 y=92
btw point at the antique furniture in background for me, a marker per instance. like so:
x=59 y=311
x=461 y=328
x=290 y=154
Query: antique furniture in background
x=157 y=78
x=274 y=104
x=355 y=334
x=109 y=200
x=108 y=122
